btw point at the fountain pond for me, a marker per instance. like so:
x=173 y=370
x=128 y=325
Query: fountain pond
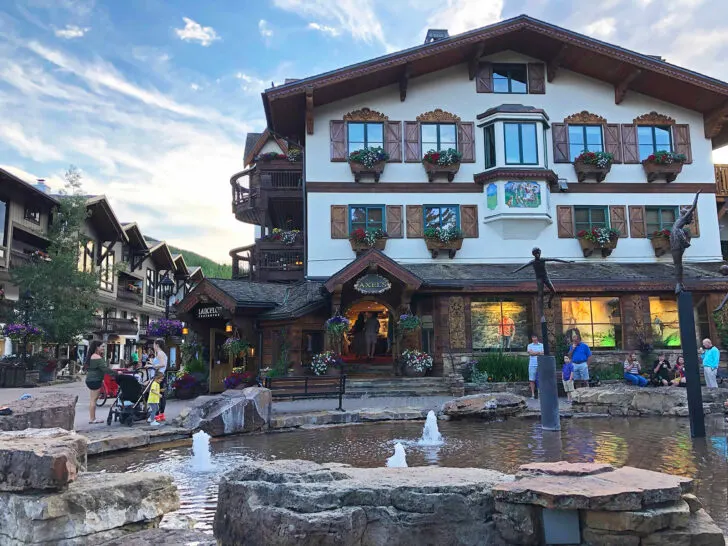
x=661 y=444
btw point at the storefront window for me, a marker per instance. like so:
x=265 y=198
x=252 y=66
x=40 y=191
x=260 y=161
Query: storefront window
x=663 y=318
x=501 y=324
x=597 y=320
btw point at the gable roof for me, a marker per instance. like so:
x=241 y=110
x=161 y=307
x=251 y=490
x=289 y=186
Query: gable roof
x=135 y=236
x=104 y=219
x=254 y=143
x=162 y=256
x=9 y=178
x=556 y=46
x=372 y=257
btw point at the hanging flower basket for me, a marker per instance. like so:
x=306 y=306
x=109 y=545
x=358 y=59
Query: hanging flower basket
x=362 y=240
x=368 y=161
x=327 y=363
x=661 y=242
x=234 y=346
x=442 y=163
x=593 y=165
x=18 y=332
x=415 y=363
x=603 y=239
x=408 y=323
x=663 y=164
x=164 y=328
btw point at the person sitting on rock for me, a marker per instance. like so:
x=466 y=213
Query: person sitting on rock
x=679 y=379
x=661 y=371
x=632 y=371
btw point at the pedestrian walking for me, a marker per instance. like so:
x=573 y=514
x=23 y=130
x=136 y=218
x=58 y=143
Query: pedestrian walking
x=711 y=360
x=96 y=368
x=159 y=364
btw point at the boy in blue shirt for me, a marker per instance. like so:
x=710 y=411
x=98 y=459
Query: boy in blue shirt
x=567 y=377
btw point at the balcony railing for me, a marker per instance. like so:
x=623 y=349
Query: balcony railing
x=117 y=326
x=250 y=203
x=721 y=181
x=268 y=261
x=126 y=293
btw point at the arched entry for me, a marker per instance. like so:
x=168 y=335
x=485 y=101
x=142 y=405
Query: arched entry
x=356 y=351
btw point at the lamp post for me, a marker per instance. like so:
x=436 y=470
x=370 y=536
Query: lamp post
x=167 y=287
x=27 y=302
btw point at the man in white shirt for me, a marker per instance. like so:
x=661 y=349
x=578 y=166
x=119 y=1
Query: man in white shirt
x=535 y=349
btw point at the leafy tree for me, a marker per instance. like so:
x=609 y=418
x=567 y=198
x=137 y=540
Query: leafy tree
x=64 y=299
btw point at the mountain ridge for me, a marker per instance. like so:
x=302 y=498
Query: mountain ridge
x=210 y=267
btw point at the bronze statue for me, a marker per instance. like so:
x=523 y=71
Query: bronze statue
x=680 y=241
x=542 y=276
x=723 y=271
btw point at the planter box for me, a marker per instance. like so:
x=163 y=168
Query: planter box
x=586 y=171
x=410 y=372
x=435 y=246
x=434 y=171
x=359 y=170
x=661 y=245
x=588 y=247
x=655 y=171
x=360 y=248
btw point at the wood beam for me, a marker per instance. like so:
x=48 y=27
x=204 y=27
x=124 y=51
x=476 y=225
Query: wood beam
x=714 y=120
x=620 y=90
x=403 y=81
x=553 y=66
x=309 y=110
x=723 y=209
x=473 y=62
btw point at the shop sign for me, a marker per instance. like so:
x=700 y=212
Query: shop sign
x=372 y=284
x=211 y=311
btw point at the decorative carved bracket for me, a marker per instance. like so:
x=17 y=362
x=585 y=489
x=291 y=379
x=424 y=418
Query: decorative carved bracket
x=365 y=114
x=309 y=110
x=714 y=120
x=620 y=90
x=473 y=62
x=553 y=67
x=403 y=81
x=438 y=116
x=585 y=117
x=653 y=118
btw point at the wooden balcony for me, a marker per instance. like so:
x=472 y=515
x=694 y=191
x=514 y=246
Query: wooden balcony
x=270 y=194
x=115 y=326
x=129 y=294
x=721 y=182
x=268 y=261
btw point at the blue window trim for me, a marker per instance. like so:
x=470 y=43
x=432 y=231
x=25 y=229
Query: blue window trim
x=520 y=142
x=589 y=208
x=508 y=67
x=654 y=137
x=366 y=215
x=366 y=125
x=662 y=225
x=439 y=140
x=457 y=214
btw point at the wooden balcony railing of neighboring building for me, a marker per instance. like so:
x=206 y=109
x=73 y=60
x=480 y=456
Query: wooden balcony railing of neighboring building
x=117 y=326
x=268 y=261
x=721 y=182
x=250 y=204
x=129 y=294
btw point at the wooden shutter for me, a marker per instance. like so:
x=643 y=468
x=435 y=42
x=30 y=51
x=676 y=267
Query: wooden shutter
x=466 y=143
x=612 y=142
x=394 y=221
x=337 y=134
x=469 y=220
x=415 y=221
x=484 y=78
x=393 y=141
x=618 y=219
x=536 y=79
x=693 y=226
x=637 y=224
x=339 y=223
x=681 y=141
x=560 y=135
x=412 y=148
x=565 y=221
x=630 y=149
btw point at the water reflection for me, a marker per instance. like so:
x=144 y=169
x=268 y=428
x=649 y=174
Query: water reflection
x=654 y=444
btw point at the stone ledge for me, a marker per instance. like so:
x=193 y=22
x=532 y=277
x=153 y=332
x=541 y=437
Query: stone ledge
x=109 y=440
x=48 y=410
x=333 y=417
x=163 y=537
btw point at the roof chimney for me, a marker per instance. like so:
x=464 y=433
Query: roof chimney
x=42 y=186
x=436 y=34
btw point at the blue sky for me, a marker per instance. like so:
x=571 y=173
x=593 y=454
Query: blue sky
x=152 y=99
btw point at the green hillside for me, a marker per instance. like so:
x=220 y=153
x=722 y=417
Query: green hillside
x=209 y=267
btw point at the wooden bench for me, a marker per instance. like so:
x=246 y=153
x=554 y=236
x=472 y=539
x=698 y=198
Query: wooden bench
x=325 y=386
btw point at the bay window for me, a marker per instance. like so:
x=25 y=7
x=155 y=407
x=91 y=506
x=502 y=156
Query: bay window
x=521 y=143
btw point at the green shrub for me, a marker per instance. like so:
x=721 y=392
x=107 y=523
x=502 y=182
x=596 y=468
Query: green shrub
x=616 y=371
x=503 y=367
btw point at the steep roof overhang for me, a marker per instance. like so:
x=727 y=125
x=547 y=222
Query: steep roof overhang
x=162 y=256
x=265 y=136
x=196 y=274
x=204 y=293
x=285 y=106
x=135 y=236
x=9 y=178
x=370 y=258
x=104 y=220
x=180 y=269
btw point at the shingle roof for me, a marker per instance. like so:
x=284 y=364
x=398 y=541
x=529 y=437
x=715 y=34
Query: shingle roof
x=299 y=299
x=250 y=140
x=247 y=292
x=285 y=300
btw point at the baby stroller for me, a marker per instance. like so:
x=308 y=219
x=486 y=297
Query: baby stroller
x=131 y=401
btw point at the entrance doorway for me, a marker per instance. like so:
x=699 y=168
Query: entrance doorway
x=365 y=354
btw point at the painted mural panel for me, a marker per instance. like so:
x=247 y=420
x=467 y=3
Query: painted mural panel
x=523 y=195
x=597 y=320
x=492 y=196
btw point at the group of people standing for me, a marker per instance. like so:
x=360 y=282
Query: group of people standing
x=365 y=335
x=575 y=367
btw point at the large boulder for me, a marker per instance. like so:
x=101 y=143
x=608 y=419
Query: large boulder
x=50 y=410
x=93 y=509
x=630 y=400
x=164 y=537
x=231 y=412
x=304 y=503
x=40 y=459
x=485 y=405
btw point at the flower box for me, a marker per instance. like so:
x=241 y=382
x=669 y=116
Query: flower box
x=660 y=243
x=602 y=238
x=360 y=246
x=655 y=171
x=435 y=171
x=586 y=171
x=588 y=247
x=435 y=246
x=359 y=170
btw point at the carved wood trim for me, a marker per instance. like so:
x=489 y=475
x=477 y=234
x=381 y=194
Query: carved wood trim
x=653 y=118
x=585 y=117
x=438 y=115
x=309 y=110
x=365 y=114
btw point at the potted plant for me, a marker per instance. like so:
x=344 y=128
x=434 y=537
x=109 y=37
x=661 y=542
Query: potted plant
x=368 y=161
x=19 y=332
x=325 y=363
x=408 y=322
x=169 y=329
x=267 y=157
x=593 y=165
x=663 y=164
x=660 y=242
x=603 y=238
x=443 y=238
x=415 y=363
x=185 y=385
x=443 y=163
x=239 y=379
x=285 y=236
x=234 y=346
x=294 y=155
x=362 y=240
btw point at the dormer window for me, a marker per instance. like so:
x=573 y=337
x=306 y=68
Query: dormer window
x=510 y=78
x=365 y=135
x=438 y=136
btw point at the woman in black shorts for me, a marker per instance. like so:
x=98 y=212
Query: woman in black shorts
x=96 y=368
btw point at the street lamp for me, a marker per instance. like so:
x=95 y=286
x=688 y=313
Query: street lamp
x=167 y=285
x=27 y=302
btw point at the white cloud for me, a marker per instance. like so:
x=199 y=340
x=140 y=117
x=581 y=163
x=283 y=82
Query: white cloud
x=195 y=32
x=459 y=16
x=31 y=146
x=602 y=28
x=250 y=83
x=324 y=29
x=194 y=87
x=264 y=29
x=71 y=32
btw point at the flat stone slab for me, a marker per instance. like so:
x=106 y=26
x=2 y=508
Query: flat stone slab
x=562 y=468
x=333 y=417
x=164 y=537
x=485 y=405
x=625 y=488
x=94 y=508
x=621 y=399
x=232 y=412
x=116 y=438
x=50 y=410
x=641 y=522
x=40 y=459
x=701 y=531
